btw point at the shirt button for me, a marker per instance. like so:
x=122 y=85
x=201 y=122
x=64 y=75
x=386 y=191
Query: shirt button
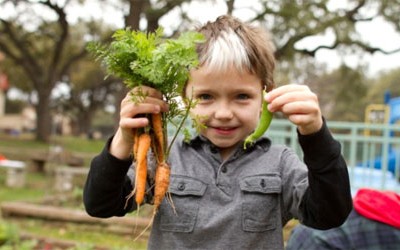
x=224 y=169
x=181 y=186
x=262 y=183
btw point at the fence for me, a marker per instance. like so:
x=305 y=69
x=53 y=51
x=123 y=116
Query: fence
x=372 y=151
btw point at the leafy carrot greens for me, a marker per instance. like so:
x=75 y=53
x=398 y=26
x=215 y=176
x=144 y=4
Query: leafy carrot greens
x=140 y=58
x=147 y=59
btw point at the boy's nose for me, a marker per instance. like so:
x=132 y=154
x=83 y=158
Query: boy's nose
x=223 y=111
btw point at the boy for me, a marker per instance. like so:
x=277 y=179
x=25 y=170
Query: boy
x=226 y=197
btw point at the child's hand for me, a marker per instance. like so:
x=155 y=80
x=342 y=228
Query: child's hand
x=299 y=104
x=131 y=116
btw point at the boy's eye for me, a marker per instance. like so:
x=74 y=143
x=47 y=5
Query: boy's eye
x=243 y=96
x=204 y=97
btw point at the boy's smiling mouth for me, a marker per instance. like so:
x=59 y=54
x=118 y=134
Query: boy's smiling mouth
x=224 y=130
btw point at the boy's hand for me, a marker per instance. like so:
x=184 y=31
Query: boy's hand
x=131 y=117
x=299 y=104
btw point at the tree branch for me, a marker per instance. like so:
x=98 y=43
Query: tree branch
x=60 y=44
x=72 y=60
x=25 y=58
x=230 y=4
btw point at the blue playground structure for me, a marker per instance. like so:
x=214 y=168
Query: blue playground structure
x=393 y=157
x=392 y=105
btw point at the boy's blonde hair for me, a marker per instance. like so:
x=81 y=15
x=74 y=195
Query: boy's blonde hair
x=230 y=42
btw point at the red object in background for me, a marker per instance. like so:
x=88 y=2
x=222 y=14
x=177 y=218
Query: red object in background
x=4 y=82
x=382 y=206
x=2 y=157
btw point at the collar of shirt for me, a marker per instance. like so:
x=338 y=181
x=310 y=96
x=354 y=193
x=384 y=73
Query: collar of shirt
x=202 y=142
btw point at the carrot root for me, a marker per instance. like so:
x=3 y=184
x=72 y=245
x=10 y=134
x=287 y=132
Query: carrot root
x=160 y=192
x=135 y=143
x=158 y=140
x=161 y=183
x=139 y=189
x=162 y=172
x=141 y=167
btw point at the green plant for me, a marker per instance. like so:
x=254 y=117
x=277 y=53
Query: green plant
x=8 y=234
x=141 y=58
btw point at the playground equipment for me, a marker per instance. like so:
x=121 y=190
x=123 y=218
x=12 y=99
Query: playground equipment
x=387 y=113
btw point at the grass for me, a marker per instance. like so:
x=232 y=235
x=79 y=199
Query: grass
x=24 y=141
x=84 y=234
x=81 y=145
x=35 y=189
x=24 y=147
x=8 y=194
x=69 y=143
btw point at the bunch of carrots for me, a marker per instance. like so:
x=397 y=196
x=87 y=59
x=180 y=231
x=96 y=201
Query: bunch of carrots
x=143 y=142
x=146 y=58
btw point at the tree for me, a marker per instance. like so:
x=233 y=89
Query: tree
x=290 y=22
x=342 y=93
x=90 y=91
x=43 y=53
x=293 y=21
x=386 y=81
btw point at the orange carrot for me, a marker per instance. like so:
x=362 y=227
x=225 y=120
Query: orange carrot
x=161 y=183
x=141 y=167
x=135 y=142
x=139 y=190
x=160 y=190
x=157 y=126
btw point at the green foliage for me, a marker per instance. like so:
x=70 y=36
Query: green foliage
x=9 y=237
x=342 y=94
x=386 y=81
x=141 y=58
x=146 y=59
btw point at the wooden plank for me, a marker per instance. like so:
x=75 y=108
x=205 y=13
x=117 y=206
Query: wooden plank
x=23 y=209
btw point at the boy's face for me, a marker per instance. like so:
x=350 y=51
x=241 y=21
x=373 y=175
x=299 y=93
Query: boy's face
x=227 y=103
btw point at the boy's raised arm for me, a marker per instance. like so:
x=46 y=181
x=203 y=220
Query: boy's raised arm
x=327 y=202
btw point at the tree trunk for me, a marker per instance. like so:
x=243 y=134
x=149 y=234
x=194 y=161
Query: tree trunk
x=85 y=120
x=119 y=96
x=43 y=120
x=135 y=9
